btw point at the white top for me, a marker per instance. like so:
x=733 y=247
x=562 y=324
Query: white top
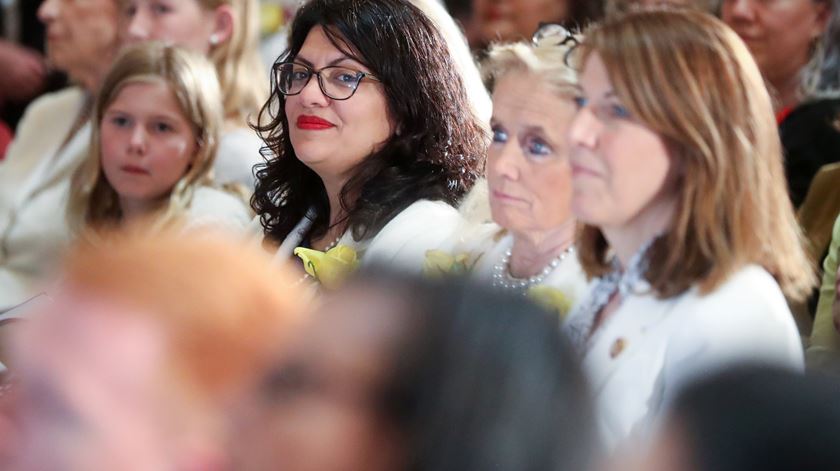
x=34 y=188
x=238 y=152
x=402 y=243
x=217 y=209
x=651 y=347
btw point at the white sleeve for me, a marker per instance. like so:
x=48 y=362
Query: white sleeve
x=745 y=321
x=404 y=241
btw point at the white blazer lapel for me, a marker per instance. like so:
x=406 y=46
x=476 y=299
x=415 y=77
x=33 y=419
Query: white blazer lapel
x=623 y=336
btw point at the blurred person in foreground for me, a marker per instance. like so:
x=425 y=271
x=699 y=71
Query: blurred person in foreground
x=749 y=418
x=689 y=235
x=52 y=140
x=134 y=364
x=395 y=373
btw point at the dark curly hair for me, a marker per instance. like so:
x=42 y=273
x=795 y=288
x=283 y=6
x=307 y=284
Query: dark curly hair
x=437 y=154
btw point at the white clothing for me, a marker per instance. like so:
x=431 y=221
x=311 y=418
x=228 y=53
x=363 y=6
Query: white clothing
x=402 y=243
x=649 y=348
x=34 y=189
x=217 y=209
x=238 y=152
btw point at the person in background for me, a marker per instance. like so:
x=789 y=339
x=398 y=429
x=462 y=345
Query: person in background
x=530 y=246
x=28 y=73
x=688 y=230
x=395 y=373
x=823 y=353
x=156 y=126
x=515 y=20
x=137 y=362
x=748 y=417
x=373 y=134
x=620 y=6
x=227 y=32
x=52 y=141
x=783 y=37
x=462 y=57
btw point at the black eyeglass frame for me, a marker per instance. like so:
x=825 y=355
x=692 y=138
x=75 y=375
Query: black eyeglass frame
x=359 y=74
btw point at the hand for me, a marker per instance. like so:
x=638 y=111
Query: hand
x=24 y=72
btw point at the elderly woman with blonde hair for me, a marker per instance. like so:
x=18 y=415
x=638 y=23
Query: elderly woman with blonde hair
x=688 y=231
x=530 y=246
x=227 y=32
x=50 y=143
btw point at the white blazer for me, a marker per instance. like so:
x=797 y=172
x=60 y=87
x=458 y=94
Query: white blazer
x=651 y=347
x=34 y=188
x=402 y=243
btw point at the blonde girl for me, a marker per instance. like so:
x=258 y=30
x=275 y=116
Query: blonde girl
x=155 y=133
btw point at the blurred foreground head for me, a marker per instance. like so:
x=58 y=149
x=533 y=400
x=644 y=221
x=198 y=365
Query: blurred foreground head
x=751 y=418
x=396 y=373
x=150 y=341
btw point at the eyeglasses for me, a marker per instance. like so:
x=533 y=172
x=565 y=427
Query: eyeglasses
x=338 y=83
x=559 y=35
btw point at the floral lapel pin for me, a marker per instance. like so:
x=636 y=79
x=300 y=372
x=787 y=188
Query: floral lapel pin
x=330 y=268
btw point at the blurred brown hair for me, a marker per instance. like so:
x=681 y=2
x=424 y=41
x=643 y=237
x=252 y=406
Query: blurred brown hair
x=688 y=77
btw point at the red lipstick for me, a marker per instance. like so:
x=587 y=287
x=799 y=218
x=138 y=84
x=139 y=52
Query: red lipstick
x=313 y=123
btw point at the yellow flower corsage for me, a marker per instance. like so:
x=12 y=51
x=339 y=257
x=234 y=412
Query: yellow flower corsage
x=439 y=263
x=552 y=299
x=330 y=268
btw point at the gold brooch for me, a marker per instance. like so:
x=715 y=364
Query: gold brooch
x=617 y=347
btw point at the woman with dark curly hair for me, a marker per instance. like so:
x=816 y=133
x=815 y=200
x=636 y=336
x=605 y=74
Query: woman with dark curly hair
x=372 y=134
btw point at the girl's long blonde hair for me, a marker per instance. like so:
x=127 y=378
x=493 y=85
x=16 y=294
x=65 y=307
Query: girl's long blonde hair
x=238 y=64
x=93 y=201
x=689 y=78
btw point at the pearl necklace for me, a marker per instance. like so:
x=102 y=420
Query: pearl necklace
x=503 y=279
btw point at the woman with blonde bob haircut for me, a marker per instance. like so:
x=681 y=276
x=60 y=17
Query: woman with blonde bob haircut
x=678 y=178
x=156 y=125
x=529 y=248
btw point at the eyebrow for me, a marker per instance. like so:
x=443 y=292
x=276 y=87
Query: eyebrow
x=164 y=117
x=535 y=129
x=329 y=64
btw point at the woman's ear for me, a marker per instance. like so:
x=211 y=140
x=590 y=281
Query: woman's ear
x=225 y=21
x=823 y=16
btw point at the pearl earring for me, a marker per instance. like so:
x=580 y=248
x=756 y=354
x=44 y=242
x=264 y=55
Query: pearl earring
x=214 y=39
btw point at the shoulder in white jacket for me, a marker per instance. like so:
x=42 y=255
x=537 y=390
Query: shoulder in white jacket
x=402 y=243
x=34 y=185
x=652 y=347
